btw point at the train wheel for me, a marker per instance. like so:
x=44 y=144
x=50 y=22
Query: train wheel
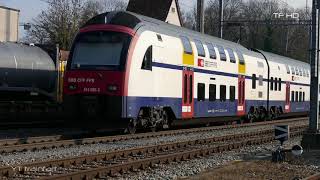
x=153 y=129
x=132 y=126
x=165 y=120
x=263 y=114
x=252 y=115
x=241 y=120
x=273 y=115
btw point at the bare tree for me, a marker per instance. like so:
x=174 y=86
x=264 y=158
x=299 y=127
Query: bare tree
x=258 y=33
x=189 y=18
x=60 y=22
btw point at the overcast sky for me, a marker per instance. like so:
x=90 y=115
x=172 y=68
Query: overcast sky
x=29 y=9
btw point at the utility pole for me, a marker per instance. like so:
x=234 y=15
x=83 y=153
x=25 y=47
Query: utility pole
x=314 y=62
x=220 y=19
x=311 y=138
x=200 y=16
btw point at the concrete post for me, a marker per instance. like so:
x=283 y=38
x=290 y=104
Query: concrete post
x=200 y=18
x=220 y=19
x=311 y=139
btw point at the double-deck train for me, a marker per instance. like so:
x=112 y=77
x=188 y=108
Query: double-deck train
x=130 y=71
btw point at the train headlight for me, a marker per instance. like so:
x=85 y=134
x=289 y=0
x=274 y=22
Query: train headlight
x=72 y=87
x=112 y=88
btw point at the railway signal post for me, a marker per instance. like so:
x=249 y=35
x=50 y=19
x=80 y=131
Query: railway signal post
x=311 y=139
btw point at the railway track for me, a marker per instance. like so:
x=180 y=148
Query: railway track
x=104 y=165
x=47 y=142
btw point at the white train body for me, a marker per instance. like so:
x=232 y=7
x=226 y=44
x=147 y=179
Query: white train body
x=196 y=76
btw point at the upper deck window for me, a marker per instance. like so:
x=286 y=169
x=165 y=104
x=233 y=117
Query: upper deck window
x=304 y=72
x=159 y=37
x=212 y=51
x=297 y=71
x=200 y=48
x=231 y=55
x=300 y=72
x=288 y=69
x=186 y=45
x=260 y=64
x=241 y=58
x=222 y=53
x=107 y=50
x=292 y=70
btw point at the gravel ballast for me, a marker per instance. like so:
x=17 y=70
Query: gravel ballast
x=196 y=166
x=19 y=158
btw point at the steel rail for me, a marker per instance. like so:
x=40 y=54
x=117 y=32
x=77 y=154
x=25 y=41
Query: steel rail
x=240 y=140
x=37 y=145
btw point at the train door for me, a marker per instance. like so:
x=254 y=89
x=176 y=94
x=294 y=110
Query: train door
x=187 y=93
x=287 y=101
x=241 y=95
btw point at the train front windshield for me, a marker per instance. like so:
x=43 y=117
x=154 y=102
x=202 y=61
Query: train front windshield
x=100 y=50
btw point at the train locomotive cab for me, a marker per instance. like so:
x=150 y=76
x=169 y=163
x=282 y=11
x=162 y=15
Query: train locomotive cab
x=95 y=79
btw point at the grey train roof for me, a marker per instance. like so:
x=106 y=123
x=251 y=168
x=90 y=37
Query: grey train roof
x=140 y=22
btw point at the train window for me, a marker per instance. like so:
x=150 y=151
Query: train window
x=297 y=96
x=186 y=45
x=300 y=96
x=303 y=96
x=185 y=88
x=288 y=69
x=212 y=92
x=292 y=96
x=292 y=70
x=232 y=93
x=304 y=72
x=200 y=48
x=297 y=71
x=231 y=55
x=191 y=89
x=276 y=84
x=103 y=49
x=147 y=60
x=159 y=37
x=260 y=80
x=271 y=83
x=254 y=81
x=308 y=73
x=260 y=94
x=241 y=58
x=201 y=91
x=212 y=51
x=300 y=72
x=222 y=53
x=260 y=65
x=223 y=93
x=280 y=83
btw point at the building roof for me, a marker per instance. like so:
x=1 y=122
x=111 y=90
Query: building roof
x=7 y=8
x=158 y=9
